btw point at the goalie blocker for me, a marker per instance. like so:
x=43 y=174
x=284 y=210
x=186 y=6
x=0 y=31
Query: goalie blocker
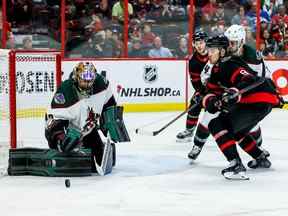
x=50 y=162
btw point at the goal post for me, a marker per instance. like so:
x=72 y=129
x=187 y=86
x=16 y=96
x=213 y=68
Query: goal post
x=28 y=80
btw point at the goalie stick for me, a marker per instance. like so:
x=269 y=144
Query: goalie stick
x=156 y=132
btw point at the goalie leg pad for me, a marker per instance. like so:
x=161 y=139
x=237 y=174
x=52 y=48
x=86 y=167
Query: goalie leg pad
x=108 y=159
x=49 y=162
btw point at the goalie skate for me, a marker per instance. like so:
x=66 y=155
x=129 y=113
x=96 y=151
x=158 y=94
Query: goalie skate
x=185 y=136
x=235 y=171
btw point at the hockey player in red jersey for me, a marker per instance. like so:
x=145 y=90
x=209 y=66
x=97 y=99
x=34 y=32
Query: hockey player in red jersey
x=236 y=35
x=235 y=113
x=196 y=65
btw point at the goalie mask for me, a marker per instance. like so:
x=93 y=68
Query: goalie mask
x=236 y=34
x=84 y=75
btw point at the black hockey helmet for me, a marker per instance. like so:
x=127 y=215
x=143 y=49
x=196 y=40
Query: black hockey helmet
x=219 y=41
x=199 y=35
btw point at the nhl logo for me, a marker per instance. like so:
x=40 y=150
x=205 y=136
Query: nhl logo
x=150 y=73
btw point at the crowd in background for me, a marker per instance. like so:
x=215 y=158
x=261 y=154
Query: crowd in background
x=157 y=28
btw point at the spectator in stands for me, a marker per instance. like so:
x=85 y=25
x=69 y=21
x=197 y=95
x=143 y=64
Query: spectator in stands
x=27 y=43
x=250 y=37
x=159 y=51
x=118 y=11
x=218 y=28
x=89 y=50
x=136 y=49
x=166 y=13
x=103 y=8
x=241 y=18
x=148 y=36
x=99 y=44
x=251 y=15
x=264 y=24
x=283 y=53
x=135 y=29
x=182 y=49
x=270 y=44
x=281 y=15
x=219 y=15
x=155 y=12
x=10 y=40
x=95 y=25
x=108 y=43
x=208 y=11
x=117 y=43
x=141 y=9
x=22 y=12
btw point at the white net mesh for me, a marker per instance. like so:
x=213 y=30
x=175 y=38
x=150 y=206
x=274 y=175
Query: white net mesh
x=36 y=83
x=35 y=86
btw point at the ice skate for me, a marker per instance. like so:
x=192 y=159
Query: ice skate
x=260 y=162
x=264 y=151
x=235 y=171
x=194 y=153
x=185 y=136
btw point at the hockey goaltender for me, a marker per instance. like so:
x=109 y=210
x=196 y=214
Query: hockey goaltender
x=82 y=125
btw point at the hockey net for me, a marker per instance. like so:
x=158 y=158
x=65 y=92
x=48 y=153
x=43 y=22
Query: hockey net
x=27 y=83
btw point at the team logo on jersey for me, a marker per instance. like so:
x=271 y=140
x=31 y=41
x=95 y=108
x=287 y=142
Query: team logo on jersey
x=59 y=98
x=150 y=73
x=244 y=72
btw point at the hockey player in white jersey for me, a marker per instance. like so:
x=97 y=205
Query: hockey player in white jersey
x=77 y=113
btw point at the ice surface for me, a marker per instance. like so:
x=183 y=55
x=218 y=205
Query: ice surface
x=154 y=177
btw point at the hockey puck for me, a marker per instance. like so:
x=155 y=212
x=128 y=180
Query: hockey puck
x=67 y=183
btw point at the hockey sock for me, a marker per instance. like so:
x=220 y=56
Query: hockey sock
x=248 y=144
x=257 y=136
x=192 y=117
x=201 y=135
x=224 y=139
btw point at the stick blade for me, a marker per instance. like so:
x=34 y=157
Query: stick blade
x=147 y=133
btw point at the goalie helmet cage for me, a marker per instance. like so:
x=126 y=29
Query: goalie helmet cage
x=28 y=80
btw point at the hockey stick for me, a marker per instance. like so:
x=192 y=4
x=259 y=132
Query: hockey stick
x=246 y=89
x=156 y=132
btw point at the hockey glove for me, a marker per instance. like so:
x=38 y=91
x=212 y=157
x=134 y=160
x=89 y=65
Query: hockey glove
x=213 y=104
x=230 y=97
x=196 y=98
